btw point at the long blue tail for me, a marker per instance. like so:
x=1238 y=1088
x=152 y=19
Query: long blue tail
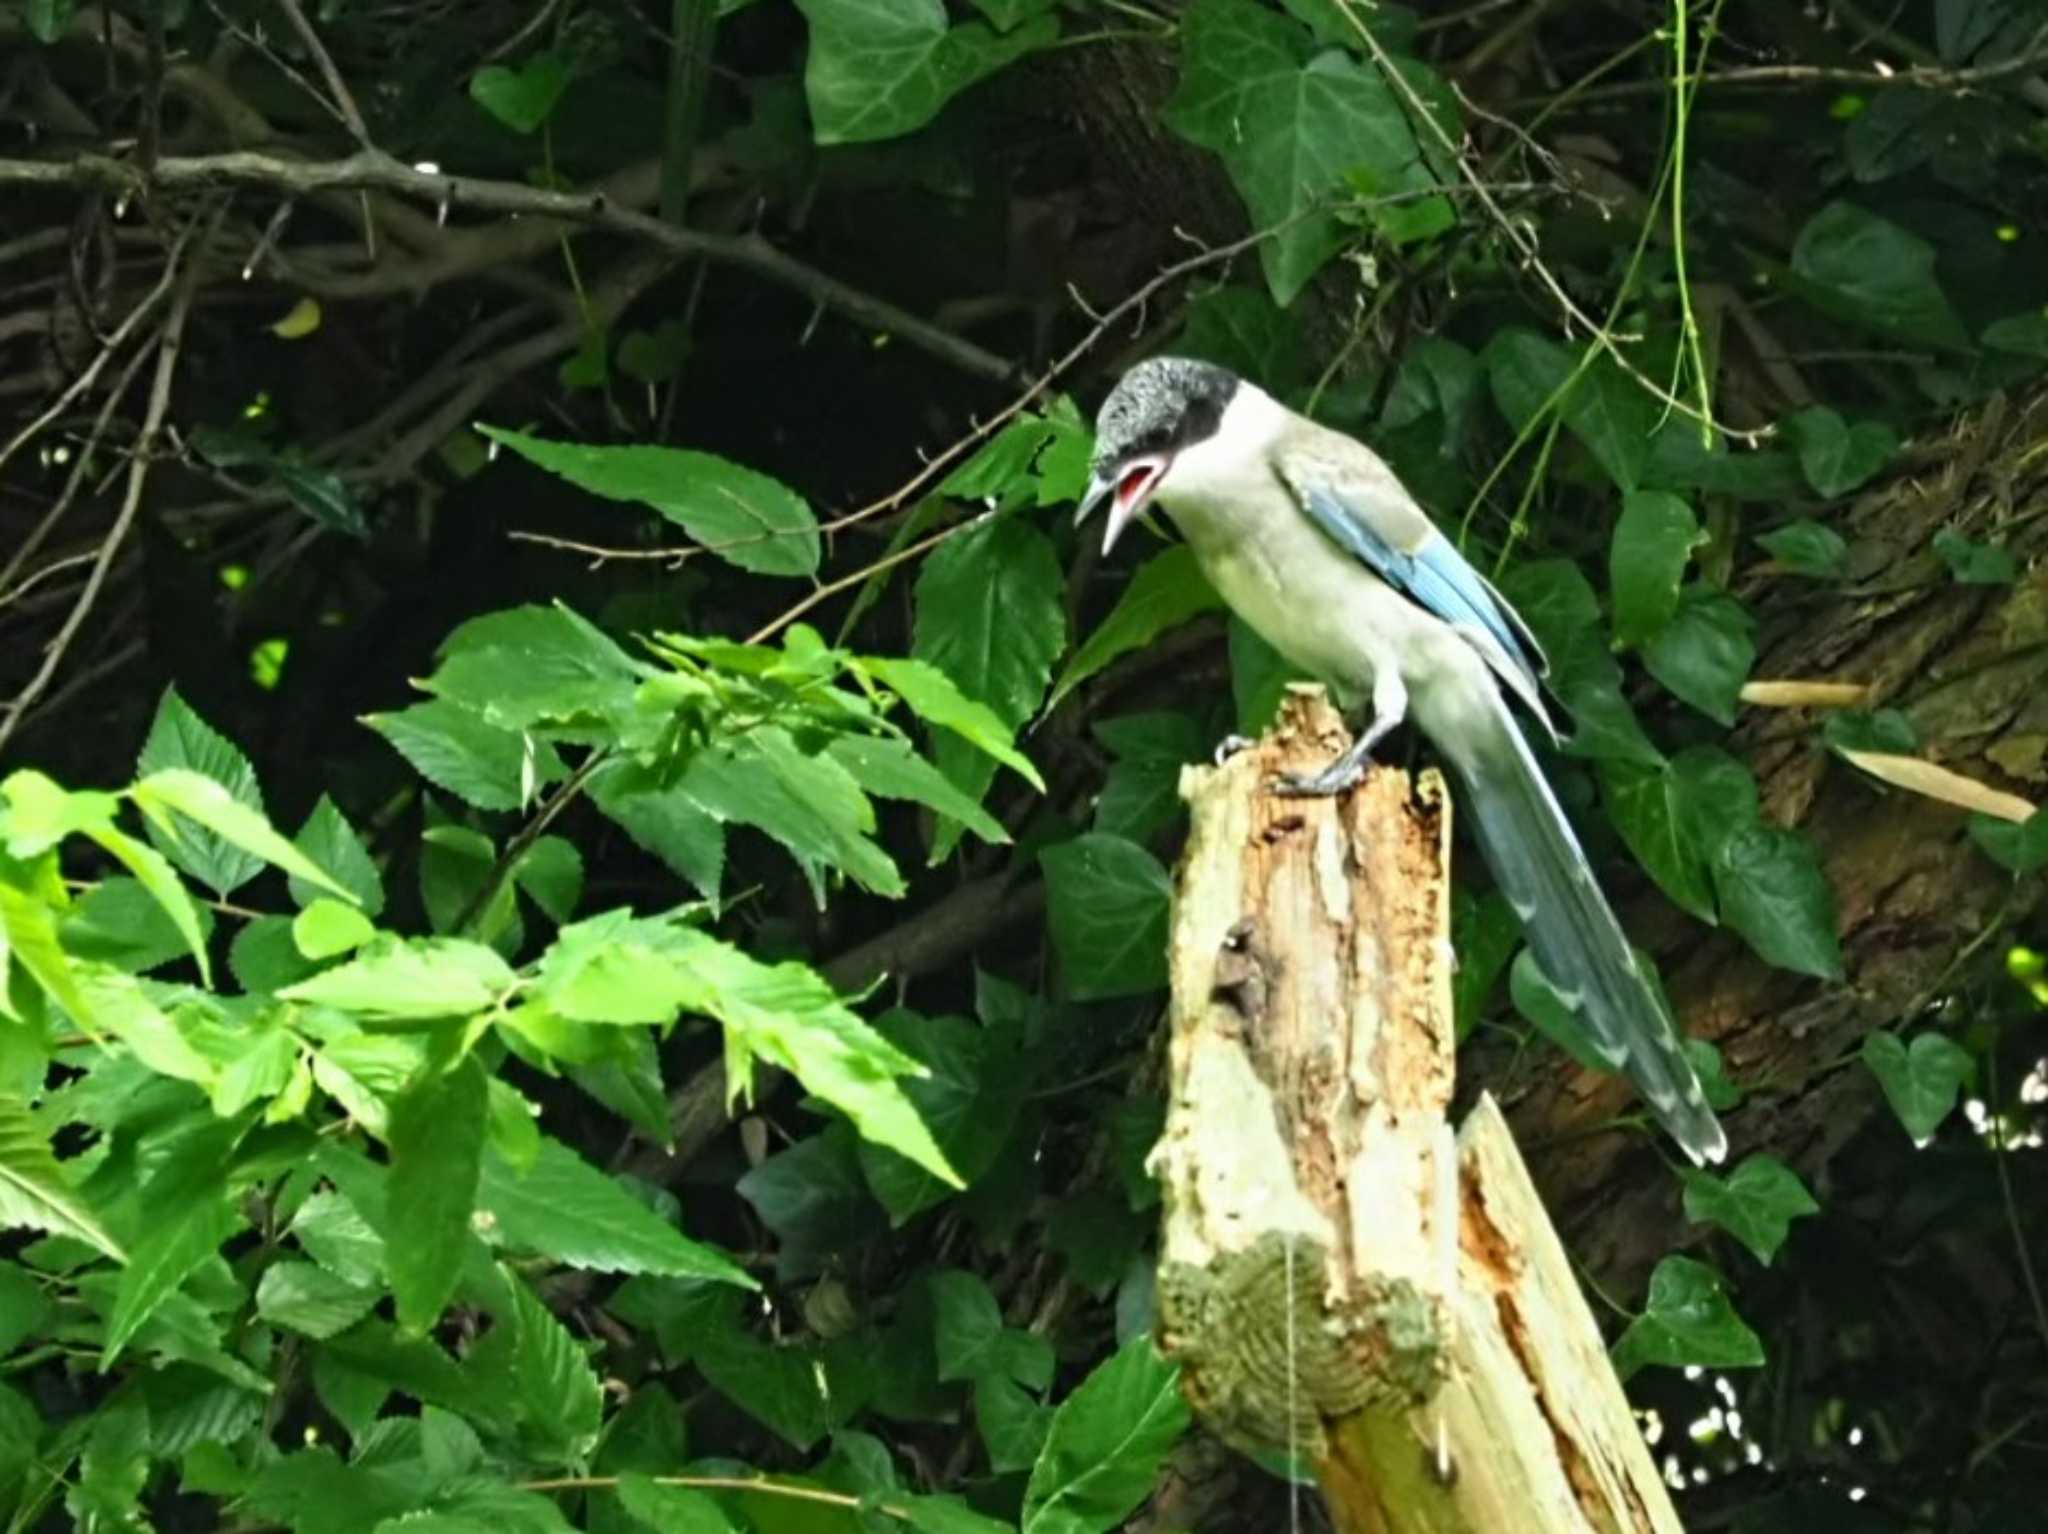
x=1572 y=930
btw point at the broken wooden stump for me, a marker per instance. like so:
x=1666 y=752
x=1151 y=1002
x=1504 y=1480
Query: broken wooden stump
x=1341 y=1279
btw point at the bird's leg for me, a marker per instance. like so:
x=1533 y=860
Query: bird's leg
x=1389 y=707
x=1230 y=745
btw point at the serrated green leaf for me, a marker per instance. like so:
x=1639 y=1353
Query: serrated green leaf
x=968 y=1098
x=411 y=978
x=1653 y=543
x=179 y=738
x=1921 y=1081
x=1771 y=889
x=1106 y=1444
x=550 y=871
x=1805 y=547
x=808 y=802
x=153 y=872
x=880 y=68
x=436 y=1139
x=118 y=922
x=202 y=800
x=462 y=752
x=34 y=1192
x=312 y=1301
x=931 y=695
x=1167 y=590
x=1106 y=905
x=1687 y=1320
x=663 y=821
x=566 y=1209
x=332 y=844
x=1756 y=1203
x=889 y=769
x=192 y=1214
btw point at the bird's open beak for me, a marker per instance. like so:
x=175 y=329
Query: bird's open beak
x=1128 y=491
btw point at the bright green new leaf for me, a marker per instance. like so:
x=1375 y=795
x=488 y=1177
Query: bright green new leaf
x=206 y=802
x=1106 y=905
x=889 y=769
x=153 y=872
x=566 y=1209
x=1653 y=543
x=327 y=928
x=1921 y=1081
x=332 y=843
x=744 y=517
x=1107 y=1442
x=1167 y=590
x=932 y=696
x=1771 y=889
x=789 y=1016
x=401 y=978
x=880 y=68
x=1756 y=1203
x=1687 y=1320
x=436 y=1140
x=613 y=968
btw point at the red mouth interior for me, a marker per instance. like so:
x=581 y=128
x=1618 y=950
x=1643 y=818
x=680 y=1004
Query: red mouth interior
x=1136 y=483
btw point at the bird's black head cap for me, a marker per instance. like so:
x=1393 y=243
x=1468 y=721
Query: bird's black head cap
x=1161 y=406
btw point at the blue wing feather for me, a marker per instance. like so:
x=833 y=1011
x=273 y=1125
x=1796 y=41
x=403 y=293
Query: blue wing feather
x=1435 y=574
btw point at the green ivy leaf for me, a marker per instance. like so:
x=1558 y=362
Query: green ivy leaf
x=2020 y=849
x=179 y=738
x=1141 y=792
x=1887 y=731
x=1167 y=590
x=49 y=19
x=1836 y=456
x=1720 y=1090
x=1649 y=807
x=523 y=98
x=1107 y=902
x=1106 y=1444
x=1973 y=563
x=1653 y=543
x=436 y=1139
x=745 y=518
x=1756 y=1203
x=1868 y=272
x=1292 y=130
x=1558 y=603
x=1484 y=935
x=1704 y=654
x=968 y=1097
x=880 y=68
x=1805 y=547
x=1772 y=891
x=1921 y=1081
x=1687 y=1321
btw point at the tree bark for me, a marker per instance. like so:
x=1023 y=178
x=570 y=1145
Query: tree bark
x=1343 y=1283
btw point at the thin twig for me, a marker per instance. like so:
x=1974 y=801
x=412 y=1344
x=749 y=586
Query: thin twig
x=113 y=344
x=373 y=170
x=138 y=476
x=344 y=102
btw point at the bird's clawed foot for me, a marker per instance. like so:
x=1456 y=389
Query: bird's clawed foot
x=1333 y=779
x=1230 y=745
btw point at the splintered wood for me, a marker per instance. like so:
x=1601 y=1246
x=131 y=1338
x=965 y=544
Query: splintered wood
x=1340 y=1279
